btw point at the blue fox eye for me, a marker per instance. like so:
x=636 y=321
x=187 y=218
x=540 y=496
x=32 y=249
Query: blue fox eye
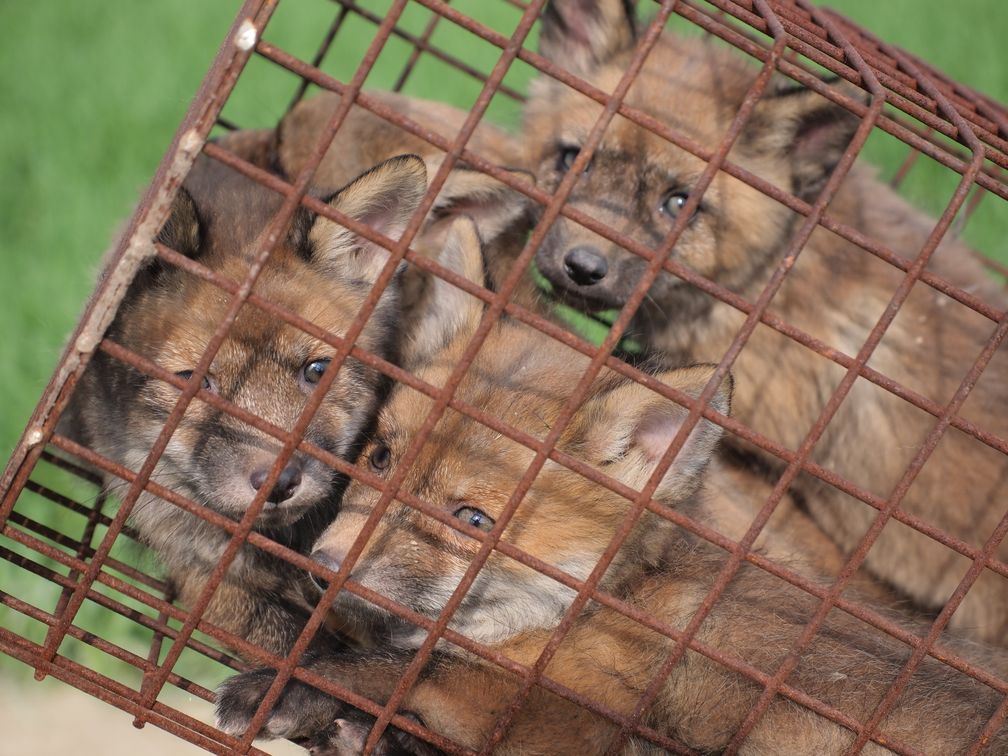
x=312 y=372
x=673 y=203
x=475 y=517
x=207 y=385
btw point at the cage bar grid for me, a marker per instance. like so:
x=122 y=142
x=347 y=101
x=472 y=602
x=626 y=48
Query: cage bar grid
x=910 y=102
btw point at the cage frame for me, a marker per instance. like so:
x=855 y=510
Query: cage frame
x=796 y=27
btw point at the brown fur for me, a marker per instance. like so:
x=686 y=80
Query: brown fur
x=836 y=291
x=364 y=139
x=622 y=429
x=734 y=494
x=319 y=271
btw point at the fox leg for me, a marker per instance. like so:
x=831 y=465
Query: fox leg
x=257 y=614
x=458 y=698
x=323 y=724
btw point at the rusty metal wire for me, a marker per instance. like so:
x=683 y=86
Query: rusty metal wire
x=935 y=117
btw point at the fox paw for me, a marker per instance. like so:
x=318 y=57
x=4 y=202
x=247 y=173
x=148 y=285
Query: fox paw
x=348 y=734
x=301 y=711
x=319 y=722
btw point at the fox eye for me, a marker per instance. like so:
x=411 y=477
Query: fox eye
x=475 y=517
x=312 y=372
x=208 y=383
x=567 y=157
x=380 y=458
x=673 y=203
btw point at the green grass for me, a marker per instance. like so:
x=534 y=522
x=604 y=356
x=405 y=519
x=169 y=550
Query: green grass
x=92 y=93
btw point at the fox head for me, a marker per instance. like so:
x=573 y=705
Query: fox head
x=637 y=183
x=320 y=271
x=467 y=472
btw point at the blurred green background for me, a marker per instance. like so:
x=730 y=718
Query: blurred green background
x=92 y=93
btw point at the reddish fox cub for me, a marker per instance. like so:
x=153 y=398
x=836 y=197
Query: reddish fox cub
x=637 y=183
x=319 y=271
x=468 y=472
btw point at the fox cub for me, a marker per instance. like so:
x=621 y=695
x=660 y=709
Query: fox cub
x=637 y=183
x=320 y=271
x=468 y=472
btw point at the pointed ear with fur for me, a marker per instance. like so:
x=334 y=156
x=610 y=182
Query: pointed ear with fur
x=628 y=429
x=384 y=198
x=804 y=128
x=581 y=34
x=493 y=206
x=183 y=231
x=449 y=311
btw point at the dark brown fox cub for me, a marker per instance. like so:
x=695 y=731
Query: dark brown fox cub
x=320 y=271
x=468 y=472
x=637 y=183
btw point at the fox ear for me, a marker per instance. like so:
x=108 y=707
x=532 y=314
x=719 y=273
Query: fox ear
x=581 y=34
x=450 y=311
x=384 y=198
x=804 y=128
x=629 y=428
x=493 y=206
x=183 y=231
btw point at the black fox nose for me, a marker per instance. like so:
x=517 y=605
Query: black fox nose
x=326 y=560
x=286 y=484
x=585 y=266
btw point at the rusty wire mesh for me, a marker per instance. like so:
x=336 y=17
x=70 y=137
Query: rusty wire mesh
x=936 y=118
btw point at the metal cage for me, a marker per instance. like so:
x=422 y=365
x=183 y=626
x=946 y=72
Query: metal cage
x=957 y=128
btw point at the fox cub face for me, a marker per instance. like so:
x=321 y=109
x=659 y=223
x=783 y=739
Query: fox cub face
x=468 y=472
x=319 y=271
x=638 y=183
